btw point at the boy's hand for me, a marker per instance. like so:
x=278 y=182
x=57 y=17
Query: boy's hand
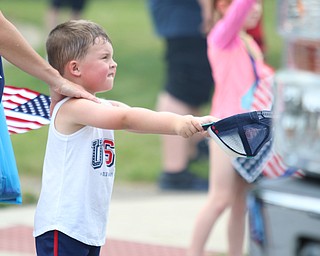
x=206 y=120
x=191 y=125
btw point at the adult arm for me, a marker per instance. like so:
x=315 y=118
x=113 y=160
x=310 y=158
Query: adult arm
x=15 y=49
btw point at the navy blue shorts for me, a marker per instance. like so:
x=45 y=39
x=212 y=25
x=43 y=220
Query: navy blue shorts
x=76 y=5
x=189 y=76
x=56 y=243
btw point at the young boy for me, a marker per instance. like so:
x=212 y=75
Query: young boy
x=79 y=164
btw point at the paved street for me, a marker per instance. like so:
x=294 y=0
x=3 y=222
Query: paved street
x=143 y=221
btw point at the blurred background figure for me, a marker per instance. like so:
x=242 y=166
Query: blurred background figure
x=55 y=7
x=257 y=34
x=239 y=68
x=188 y=83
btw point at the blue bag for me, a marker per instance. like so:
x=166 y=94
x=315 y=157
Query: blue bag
x=10 y=191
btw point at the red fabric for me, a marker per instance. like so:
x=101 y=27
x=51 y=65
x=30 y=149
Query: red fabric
x=55 y=243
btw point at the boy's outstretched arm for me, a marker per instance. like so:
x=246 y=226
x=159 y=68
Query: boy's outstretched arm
x=83 y=112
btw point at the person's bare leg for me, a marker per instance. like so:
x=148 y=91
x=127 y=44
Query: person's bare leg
x=175 y=150
x=237 y=219
x=76 y=15
x=52 y=17
x=222 y=179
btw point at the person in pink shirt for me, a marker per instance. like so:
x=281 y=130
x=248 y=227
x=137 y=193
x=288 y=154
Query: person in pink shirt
x=237 y=66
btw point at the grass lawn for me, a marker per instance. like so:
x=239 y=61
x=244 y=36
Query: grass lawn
x=138 y=53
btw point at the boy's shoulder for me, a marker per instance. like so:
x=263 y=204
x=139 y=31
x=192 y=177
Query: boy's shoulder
x=105 y=102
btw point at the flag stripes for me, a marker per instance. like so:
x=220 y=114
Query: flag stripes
x=263 y=99
x=268 y=161
x=25 y=109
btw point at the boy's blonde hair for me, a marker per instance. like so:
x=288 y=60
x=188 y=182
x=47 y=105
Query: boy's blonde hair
x=71 y=40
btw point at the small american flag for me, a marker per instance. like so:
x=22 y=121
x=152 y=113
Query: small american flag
x=25 y=109
x=261 y=98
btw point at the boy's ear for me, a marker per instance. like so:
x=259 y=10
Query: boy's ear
x=73 y=68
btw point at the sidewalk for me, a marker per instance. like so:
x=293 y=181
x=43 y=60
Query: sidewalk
x=143 y=221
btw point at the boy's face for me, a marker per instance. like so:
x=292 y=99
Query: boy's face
x=98 y=68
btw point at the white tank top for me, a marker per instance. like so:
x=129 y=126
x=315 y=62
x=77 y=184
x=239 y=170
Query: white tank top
x=77 y=182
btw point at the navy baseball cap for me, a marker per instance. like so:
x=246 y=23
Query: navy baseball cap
x=242 y=135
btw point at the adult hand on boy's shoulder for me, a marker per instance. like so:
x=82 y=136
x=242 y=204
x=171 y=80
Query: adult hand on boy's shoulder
x=69 y=89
